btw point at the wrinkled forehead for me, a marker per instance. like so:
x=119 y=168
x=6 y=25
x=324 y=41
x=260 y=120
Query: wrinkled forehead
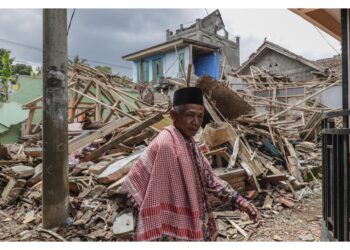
x=196 y=108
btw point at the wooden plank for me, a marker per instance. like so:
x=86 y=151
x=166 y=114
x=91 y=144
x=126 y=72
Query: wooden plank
x=274 y=178
x=305 y=99
x=211 y=111
x=250 y=173
x=295 y=161
x=33 y=152
x=214 y=152
x=268 y=202
x=239 y=229
x=135 y=129
x=32 y=103
x=113 y=108
x=138 y=138
x=78 y=100
x=271 y=132
x=111 y=112
x=273 y=169
x=28 y=123
x=233 y=157
x=98 y=106
x=75 y=144
x=282 y=103
x=130 y=96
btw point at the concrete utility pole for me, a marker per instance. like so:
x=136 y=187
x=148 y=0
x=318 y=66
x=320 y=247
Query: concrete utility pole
x=55 y=131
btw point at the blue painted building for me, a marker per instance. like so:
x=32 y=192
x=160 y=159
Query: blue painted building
x=171 y=59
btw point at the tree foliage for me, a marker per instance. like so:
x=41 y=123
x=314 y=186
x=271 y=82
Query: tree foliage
x=2 y=52
x=104 y=69
x=5 y=75
x=77 y=60
x=22 y=69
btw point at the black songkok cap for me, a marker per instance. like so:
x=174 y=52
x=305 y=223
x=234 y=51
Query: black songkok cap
x=190 y=95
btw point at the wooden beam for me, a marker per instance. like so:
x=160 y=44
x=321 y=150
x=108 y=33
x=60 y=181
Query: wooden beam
x=322 y=20
x=29 y=120
x=82 y=141
x=135 y=129
x=304 y=100
x=98 y=106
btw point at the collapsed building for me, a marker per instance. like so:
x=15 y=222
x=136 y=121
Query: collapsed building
x=199 y=45
x=271 y=154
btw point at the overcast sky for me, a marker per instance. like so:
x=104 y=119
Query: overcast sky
x=102 y=36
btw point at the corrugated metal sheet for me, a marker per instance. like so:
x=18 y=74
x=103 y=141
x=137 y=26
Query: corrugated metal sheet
x=11 y=135
x=29 y=89
x=11 y=113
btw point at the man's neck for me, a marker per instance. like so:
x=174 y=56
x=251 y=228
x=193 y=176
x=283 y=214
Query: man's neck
x=183 y=134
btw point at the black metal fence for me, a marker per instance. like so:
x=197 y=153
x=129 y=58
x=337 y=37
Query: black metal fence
x=336 y=176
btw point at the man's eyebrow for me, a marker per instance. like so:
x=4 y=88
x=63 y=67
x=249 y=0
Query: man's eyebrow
x=194 y=112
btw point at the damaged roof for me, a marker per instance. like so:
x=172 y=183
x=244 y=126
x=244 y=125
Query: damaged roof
x=168 y=46
x=267 y=45
x=331 y=63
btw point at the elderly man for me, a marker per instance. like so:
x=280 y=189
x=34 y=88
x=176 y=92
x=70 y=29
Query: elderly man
x=170 y=183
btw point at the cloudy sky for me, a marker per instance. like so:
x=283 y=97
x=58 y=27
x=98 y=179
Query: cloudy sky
x=102 y=36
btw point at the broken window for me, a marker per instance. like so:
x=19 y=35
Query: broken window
x=181 y=64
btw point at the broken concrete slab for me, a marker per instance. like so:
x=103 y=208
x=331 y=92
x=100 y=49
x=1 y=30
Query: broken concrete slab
x=98 y=168
x=81 y=167
x=25 y=235
x=29 y=217
x=38 y=175
x=22 y=171
x=118 y=169
x=276 y=237
x=97 y=190
x=123 y=224
x=306 y=237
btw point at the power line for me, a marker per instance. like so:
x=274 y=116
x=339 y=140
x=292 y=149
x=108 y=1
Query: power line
x=69 y=56
x=21 y=44
x=326 y=40
x=70 y=21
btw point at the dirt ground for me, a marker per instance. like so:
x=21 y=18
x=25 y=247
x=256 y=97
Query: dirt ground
x=301 y=223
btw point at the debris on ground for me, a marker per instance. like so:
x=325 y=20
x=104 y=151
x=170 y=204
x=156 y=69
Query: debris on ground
x=270 y=157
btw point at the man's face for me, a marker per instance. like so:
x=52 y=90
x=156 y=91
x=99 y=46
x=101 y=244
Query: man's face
x=189 y=119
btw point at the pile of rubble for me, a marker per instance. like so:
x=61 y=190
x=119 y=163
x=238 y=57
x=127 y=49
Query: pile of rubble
x=110 y=127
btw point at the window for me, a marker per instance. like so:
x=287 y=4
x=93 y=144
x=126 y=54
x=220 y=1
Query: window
x=138 y=72
x=145 y=71
x=142 y=72
x=157 y=68
x=181 y=64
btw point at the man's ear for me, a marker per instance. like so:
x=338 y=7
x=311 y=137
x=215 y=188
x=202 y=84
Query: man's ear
x=173 y=115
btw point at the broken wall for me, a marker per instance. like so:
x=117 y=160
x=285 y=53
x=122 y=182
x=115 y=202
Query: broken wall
x=282 y=65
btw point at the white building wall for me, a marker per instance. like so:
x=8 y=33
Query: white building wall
x=171 y=64
x=332 y=97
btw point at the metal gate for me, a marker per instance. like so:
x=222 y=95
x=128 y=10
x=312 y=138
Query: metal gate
x=336 y=177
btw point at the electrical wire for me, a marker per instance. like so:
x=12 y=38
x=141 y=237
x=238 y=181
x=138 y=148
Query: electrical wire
x=69 y=56
x=326 y=40
x=70 y=21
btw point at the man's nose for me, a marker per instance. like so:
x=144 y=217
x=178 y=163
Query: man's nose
x=197 y=120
